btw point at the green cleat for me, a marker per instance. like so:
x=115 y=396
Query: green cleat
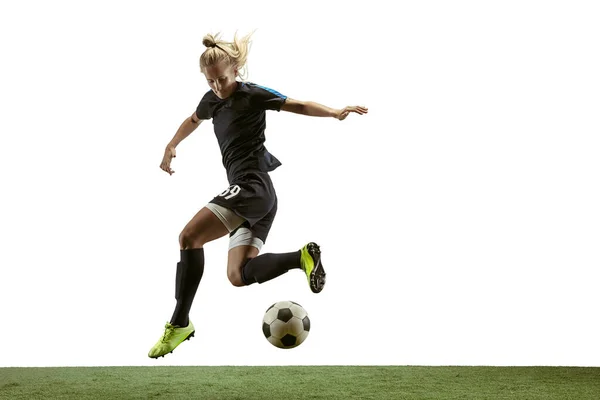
x=172 y=338
x=310 y=262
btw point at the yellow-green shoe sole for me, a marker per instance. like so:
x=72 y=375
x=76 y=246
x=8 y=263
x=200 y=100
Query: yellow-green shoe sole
x=315 y=272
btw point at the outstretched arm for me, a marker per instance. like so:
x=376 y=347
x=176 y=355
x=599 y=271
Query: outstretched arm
x=313 y=109
x=187 y=127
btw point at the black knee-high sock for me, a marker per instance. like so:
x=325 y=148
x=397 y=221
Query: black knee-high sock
x=189 y=273
x=268 y=266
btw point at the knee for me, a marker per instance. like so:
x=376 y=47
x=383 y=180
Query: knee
x=189 y=239
x=235 y=277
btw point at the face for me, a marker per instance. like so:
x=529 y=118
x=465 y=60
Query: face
x=221 y=79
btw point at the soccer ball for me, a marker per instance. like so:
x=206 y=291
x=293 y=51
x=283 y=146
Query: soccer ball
x=286 y=324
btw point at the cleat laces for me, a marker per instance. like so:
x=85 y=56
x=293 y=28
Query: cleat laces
x=169 y=330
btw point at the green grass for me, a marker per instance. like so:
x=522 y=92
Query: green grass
x=302 y=383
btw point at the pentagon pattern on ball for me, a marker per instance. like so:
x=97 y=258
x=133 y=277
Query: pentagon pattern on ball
x=266 y=329
x=288 y=340
x=306 y=323
x=285 y=314
x=286 y=324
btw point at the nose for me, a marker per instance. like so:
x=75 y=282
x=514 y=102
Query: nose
x=218 y=87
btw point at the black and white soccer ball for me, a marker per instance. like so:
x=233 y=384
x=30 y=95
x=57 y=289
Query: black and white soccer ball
x=286 y=324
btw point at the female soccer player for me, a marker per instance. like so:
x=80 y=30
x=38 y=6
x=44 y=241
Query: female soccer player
x=247 y=208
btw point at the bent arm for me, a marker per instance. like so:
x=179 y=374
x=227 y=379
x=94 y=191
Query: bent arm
x=309 y=108
x=187 y=127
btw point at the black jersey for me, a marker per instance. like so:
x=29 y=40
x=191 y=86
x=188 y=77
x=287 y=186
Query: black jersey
x=240 y=122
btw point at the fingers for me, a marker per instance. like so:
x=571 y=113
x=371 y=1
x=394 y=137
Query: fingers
x=355 y=109
x=165 y=166
x=359 y=109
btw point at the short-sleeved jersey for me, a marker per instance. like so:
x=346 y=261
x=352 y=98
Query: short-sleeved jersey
x=239 y=123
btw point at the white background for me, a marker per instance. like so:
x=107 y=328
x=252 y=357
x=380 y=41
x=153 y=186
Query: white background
x=459 y=219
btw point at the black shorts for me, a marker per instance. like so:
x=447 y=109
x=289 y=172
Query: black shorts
x=252 y=197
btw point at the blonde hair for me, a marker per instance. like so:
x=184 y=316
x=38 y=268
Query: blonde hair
x=234 y=53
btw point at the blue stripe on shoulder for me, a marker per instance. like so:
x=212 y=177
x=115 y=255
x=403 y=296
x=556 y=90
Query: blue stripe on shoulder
x=275 y=92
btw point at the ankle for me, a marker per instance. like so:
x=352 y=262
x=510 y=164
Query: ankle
x=180 y=323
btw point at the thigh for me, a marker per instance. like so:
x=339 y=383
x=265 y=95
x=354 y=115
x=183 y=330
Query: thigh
x=202 y=228
x=228 y=217
x=262 y=227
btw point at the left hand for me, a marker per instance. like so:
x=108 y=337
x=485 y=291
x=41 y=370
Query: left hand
x=343 y=113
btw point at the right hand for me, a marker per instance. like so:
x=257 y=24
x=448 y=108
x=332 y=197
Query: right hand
x=165 y=165
x=343 y=113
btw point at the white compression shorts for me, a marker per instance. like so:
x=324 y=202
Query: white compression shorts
x=243 y=236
